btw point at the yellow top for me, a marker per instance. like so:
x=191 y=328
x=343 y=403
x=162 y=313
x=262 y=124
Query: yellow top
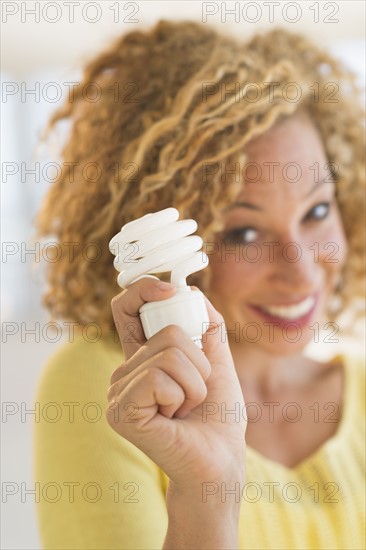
x=98 y=491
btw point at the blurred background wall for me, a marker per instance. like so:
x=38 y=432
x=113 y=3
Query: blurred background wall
x=44 y=46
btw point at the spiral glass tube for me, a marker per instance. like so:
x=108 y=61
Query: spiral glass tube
x=157 y=243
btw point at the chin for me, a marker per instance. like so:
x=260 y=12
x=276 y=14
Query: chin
x=282 y=348
x=291 y=340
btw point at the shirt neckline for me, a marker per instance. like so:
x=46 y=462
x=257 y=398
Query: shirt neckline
x=346 y=406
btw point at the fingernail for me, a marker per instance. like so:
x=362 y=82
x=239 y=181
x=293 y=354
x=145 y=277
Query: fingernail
x=212 y=326
x=181 y=415
x=165 y=286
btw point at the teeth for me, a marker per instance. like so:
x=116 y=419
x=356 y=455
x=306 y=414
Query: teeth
x=292 y=312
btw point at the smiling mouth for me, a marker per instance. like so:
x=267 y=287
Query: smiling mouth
x=290 y=312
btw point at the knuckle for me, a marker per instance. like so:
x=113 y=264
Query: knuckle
x=117 y=373
x=173 y=355
x=117 y=300
x=111 y=392
x=199 y=392
x=180 y=397
x=110 y=412
x=153 y=376
x=220 y=319
x=174 y=334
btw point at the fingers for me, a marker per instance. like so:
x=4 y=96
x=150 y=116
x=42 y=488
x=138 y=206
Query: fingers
x=215 y=343
x=169 y=355
x=125 y=310
x=171 y=336
x=150 y=389
x=175 y=363
x=214 y=316
x=173 y=351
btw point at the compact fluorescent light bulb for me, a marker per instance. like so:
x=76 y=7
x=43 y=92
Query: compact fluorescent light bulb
x=157 y=243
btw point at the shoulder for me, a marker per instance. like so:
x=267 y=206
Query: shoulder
x=355 y=370
x=71 y=398
x=79 y=366
x=76 y=448
x=354 y=363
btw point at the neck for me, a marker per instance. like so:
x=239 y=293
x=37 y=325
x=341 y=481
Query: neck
x=266 y=374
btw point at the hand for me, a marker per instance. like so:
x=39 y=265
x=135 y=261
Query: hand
x=174 y=387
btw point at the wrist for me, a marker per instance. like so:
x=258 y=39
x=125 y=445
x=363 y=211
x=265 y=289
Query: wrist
x=197 y=521
x=216 y=497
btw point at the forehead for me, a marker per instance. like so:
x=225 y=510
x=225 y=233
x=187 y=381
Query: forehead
x=287 y=159
x=292 y=138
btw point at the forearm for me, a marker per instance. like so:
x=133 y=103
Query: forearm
x=196 y=522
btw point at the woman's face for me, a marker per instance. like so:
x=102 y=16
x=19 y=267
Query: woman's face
x=279 y=257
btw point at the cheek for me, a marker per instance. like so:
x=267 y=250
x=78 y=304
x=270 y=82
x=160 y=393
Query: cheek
x=333 y=246
x=233 y=277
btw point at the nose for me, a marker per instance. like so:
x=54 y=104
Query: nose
x=293 y=268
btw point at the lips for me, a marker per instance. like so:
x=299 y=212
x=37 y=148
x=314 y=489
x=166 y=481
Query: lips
x=293 y=311
x=300 y=312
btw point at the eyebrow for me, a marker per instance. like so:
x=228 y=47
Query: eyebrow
x=244 y=205
x=255 y=207
x=318 y=184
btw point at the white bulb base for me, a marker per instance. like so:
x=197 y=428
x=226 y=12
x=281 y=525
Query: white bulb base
x=186 y=309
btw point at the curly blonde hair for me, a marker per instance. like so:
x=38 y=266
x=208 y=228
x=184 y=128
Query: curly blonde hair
x=149 y=141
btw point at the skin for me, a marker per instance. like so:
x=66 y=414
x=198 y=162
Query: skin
x=275 y=369
x=174 y=383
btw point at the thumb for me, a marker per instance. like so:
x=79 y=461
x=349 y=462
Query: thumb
x=223 y=384
x=215 y=343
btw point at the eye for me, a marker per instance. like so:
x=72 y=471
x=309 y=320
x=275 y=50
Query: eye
x=241 y=235
x=319 y=211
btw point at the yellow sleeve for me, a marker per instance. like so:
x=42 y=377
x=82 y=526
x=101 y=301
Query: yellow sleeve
x=96 y=489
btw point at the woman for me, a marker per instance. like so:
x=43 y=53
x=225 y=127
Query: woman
x=253 y=443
